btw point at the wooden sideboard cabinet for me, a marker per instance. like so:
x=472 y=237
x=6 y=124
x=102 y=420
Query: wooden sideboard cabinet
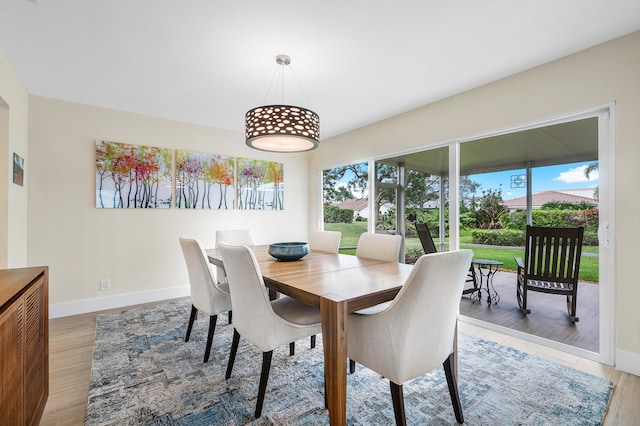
x=24 y=345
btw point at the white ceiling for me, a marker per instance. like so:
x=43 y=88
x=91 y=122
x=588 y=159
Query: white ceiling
x=357 y=61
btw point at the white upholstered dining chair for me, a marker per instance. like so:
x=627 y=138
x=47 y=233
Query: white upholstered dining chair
x=328 y=241
x=415 y=333
x=237 y=237
x=266 y=324
x=379 y=246
x=207 y=295
x=384 y=247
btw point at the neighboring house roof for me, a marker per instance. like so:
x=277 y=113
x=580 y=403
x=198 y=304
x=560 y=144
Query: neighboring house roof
x=356 y=205
x=431 y=204
x=544 y=197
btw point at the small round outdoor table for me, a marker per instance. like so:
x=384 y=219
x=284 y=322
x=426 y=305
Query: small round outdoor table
x=490 y=268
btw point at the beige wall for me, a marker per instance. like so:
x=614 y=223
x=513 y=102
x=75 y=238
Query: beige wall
x=137 y=250
x=13 y=198
x=603 y=74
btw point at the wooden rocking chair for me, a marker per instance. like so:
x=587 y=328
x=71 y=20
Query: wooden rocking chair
x=428 y=246
x=551 y=265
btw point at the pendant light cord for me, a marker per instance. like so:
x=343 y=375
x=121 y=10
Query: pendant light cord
x=280 y=70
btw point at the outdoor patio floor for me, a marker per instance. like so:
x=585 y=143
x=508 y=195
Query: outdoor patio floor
x=548 y=317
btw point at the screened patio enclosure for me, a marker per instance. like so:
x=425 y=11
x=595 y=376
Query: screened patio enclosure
x=563 y=143
x=566 y=142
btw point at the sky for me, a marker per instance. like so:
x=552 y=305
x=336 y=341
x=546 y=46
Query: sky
x=561 y=177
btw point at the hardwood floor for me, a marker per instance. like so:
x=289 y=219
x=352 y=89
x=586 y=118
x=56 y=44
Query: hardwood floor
x=71 y=352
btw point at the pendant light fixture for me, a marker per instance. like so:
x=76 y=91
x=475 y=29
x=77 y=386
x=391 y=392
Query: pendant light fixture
x=282 y=128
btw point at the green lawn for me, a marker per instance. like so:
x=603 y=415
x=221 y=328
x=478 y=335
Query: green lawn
x=351 y=233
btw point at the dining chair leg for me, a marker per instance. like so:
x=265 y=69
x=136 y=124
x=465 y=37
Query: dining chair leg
x=398 y=404
x=453 y=388
x=232 y=354
x=264 y=377
x=352 y=366
x=212 y=327
x=192 y=318
x=229 y=315
x=313 y=341
x=292 y=348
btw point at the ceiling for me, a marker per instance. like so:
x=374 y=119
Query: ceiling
x=564 y=143
x=357 y=62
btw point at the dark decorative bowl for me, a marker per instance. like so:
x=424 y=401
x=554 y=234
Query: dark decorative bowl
x=289 y=251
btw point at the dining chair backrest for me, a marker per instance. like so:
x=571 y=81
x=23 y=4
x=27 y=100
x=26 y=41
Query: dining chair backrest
x=415 y=333
x=253 y=315
x=240 y=237
x=256 y=318
x=328 y=241
x=206 y=295
x=379 y=246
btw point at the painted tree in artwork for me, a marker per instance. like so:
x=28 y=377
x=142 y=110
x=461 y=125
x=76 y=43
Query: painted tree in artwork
x=102 y=170
x=275 y=176
x=221 y=173
x=203 y=180
x=188 y=173
x=132 y=176
x=259 y=184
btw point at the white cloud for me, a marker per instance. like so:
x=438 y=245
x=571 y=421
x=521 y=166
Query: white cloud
x=358 y=193
x=576 y=175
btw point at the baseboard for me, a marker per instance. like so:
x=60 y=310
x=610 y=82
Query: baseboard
x=117 y=301
x=628 y=362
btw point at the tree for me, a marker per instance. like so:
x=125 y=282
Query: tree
x=359 y=175
x=342 y=194
x=489 y=212
x=587 y=172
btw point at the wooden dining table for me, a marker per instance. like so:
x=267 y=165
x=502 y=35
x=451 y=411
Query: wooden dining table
x=338 y=284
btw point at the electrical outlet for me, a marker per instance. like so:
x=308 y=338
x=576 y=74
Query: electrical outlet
x=105 y=285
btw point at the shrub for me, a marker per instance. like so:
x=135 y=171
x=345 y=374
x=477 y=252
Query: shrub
x=498 y=237
x=590 y=238
x=334 y=214
x=555 y=218
x=410 y=230
x=387 y=221
x=412 y=254
x=432 y=219
x=489 y=211
x=508 y=237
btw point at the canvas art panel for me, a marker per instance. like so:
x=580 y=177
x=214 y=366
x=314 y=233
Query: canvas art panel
x=18 y=169
x=133 y=176
x=204 y=181
x=260 y=185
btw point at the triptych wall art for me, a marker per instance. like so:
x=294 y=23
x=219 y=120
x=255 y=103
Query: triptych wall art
x=139 y=177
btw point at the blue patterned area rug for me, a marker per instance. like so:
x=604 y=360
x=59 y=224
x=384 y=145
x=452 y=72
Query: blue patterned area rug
x=145 y=374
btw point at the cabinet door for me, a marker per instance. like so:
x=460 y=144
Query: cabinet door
x=35 y=355
x=12 y=364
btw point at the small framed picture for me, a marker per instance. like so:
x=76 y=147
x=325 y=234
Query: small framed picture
x=18 y=169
